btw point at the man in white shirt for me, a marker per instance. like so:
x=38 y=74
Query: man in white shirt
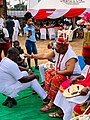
x=1 y=21
x=13 y=80
x=16 y=28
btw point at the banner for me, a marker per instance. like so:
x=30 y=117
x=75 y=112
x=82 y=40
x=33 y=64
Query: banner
x=73 y=2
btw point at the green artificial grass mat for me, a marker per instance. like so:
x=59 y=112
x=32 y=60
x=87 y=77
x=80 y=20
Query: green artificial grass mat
x=28 y=107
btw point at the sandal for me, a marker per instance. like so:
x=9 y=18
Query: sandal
x=33 y=92
x=46 y=102
x=42 y=84
x=46 y=108
x=55 y=115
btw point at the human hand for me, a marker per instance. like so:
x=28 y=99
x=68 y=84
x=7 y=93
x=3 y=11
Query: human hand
x=28 y=34
x=22 y=56
x=53 y=73
x=50 y=44
x=30 y=71
x=84 y=91
x=28 y=56
x=86 y=104
x=73 y=80
x=31 y=23
x=19 y=28
x=36 y=76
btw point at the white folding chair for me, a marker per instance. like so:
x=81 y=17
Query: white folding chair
x=43 y=33
x=60 y=32
x=70 y=33
x=56 y=31
x=51 y=33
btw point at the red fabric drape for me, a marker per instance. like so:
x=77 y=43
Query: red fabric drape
x=44 y=13
x=73 y=12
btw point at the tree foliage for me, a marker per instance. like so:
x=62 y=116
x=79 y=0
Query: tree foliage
x=20 y=6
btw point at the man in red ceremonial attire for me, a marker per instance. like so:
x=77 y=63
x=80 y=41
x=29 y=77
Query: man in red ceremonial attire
x=67 y=104
x=66 y=65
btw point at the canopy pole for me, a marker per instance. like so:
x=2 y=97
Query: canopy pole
x=73 y=26
x=73 y=22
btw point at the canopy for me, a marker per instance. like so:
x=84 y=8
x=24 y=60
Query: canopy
x=54 y=9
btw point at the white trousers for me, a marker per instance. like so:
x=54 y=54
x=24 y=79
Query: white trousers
x=65 y=105
x=68 y=104
x=35 y=86
x=13 y=90
x=42 y=72
x=15 y=35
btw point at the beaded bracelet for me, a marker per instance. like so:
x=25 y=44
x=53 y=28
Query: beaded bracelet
x=32 y=56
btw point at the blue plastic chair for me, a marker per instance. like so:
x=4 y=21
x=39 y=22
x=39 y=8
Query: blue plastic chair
x=81 y=62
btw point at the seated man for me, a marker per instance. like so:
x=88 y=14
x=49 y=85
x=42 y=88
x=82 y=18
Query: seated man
x=13 y=80
x=42 y=68
x=21 y=60
x=68 y=104
x=84 y=73
x=66 y=64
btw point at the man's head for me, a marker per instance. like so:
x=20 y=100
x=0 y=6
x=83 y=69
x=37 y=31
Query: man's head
x=9 y=17
x=27 y=16
x=29 y=21
x=16 y=44
x=61 y=45
x=15 y=18
x=88 y=26
x=13 y=54
x=86 y=54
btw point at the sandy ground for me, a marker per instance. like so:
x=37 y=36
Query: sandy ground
x=42 y=47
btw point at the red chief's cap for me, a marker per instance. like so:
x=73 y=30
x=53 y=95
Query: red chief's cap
x=62 y=42
x=86 y=51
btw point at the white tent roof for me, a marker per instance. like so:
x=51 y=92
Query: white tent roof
x=49 y=4
x=54 y=9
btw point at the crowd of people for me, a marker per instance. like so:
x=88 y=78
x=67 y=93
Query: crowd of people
x=56 y=80
x=9 y=30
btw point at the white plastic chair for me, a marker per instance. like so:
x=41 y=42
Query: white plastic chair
x=51 y=33
x=43 y=33
x=70 y=33
x=56 y=30
x=60 y=32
